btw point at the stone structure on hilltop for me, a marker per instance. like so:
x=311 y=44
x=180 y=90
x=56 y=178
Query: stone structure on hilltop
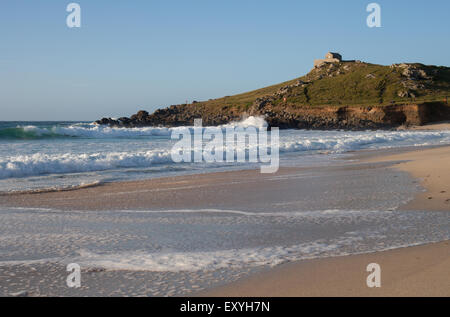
x=329 y=58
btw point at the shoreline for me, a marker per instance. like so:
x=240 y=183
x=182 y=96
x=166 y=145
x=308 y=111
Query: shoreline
x=421 y=267
x=416 y=271
x=135 y=194
x=411 y=271
x=431 y=168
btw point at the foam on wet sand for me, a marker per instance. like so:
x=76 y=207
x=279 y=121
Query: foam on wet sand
x=213 y=233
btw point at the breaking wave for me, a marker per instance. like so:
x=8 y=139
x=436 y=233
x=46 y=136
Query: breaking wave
x=76 y=131
x=40 y=164
x=93 y=131
x=340 y=141
x=63 y=158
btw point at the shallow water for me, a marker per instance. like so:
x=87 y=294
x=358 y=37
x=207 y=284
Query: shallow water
x=190 y=250
x=334 y=211
x=207 y=239
x=63 y=154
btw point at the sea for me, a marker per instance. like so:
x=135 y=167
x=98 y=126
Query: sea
x=44 y=155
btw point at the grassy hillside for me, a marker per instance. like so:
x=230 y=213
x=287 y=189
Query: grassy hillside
x=340 y=95
x=348 y=83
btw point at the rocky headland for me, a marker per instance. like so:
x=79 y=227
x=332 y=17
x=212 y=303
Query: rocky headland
x=336 y=94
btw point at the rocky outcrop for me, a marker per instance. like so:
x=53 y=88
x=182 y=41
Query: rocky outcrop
x=331 y=117
x=372 y=117
x=415 y=78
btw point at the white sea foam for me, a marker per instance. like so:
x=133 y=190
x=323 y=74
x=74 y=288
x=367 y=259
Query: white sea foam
x=334 y=233
x=95 y=131
x=292 y=141
x=339 y=141
x=40 y=163
x=225 y=259
x=210 y=260
x=61 y=160
x=328 y=213
x=35 y=130
x=313 y=214
x=258 y=122
x=205 y=260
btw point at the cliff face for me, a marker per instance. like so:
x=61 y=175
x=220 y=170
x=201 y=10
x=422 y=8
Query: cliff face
x=364 y=117
x=346 y=95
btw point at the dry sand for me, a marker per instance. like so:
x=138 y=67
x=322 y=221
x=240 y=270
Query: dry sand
x=414 y=271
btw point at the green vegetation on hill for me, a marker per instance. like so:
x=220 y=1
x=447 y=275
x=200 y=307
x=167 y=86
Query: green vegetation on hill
x=345 y=95
x=349 y=83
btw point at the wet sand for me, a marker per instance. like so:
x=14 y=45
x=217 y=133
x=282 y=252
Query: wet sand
x=241 y=190
x=432 y=168
x=414 y=271
x=181 y=192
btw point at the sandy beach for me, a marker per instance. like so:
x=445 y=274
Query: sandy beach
x=384 y=176
x=413 y=271
x=432 y=168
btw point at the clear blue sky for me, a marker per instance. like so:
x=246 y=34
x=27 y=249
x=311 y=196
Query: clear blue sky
x=145 y=54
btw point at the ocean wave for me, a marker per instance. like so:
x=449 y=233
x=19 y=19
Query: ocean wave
x=252 y=121
x=294 y=141
x=40 y=164
x=80 y=131
x=93 y=131
x=25 y=133
x=339 y=142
